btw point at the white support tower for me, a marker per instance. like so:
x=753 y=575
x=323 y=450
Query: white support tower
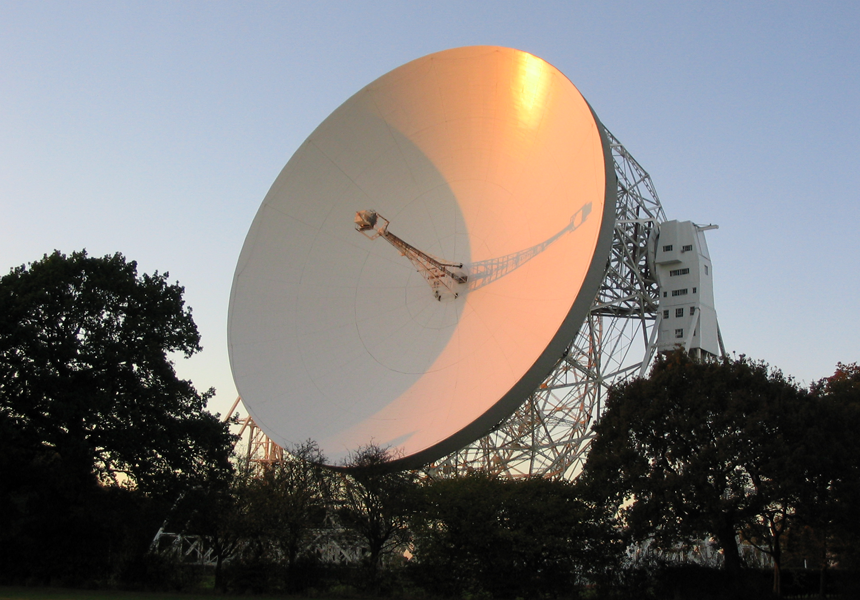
x=682 y=265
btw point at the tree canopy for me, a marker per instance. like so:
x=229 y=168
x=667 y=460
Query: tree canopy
x=700 y=449
x=291 y=499
x=374 y=502
x=532 y=537
x=86 y=371
x=830 y=463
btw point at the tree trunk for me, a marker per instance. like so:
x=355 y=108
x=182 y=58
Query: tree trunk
x=777 y=567
x=822 y=582
x=777 y=578
x=218 y=577
x=731 y=556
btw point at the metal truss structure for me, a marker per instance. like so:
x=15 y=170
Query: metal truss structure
x=258 y=450
x=550 y=433
x=332 y=545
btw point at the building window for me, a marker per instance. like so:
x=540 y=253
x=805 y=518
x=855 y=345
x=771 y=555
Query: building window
x=692 y=310
x=679 y=333
x=706 y=269
x=687 y=248
x=682 y=292
x=694 y=290
x=666 y=314
x=667 y=248
x=679 y=312
x=666 y=294
x=677 y=272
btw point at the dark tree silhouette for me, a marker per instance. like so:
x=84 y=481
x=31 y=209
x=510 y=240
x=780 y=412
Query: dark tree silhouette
x=85 y=346
x=698 y=450
x=529 y=537
x=290 y=499
x=830 y=455
x=374 y=501
x=93 y=419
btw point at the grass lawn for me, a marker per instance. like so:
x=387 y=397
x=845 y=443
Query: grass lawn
x=40 y=593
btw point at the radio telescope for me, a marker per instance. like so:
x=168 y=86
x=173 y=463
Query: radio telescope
x=425 y=258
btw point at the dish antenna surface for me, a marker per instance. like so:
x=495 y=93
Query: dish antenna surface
x=424 y=258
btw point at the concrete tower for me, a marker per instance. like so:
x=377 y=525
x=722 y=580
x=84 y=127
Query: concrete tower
x=683 y=270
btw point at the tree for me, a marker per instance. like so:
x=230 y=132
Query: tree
x=830 y=458
x=527 y=537
x=700 y=449
x=833 y=449
x=290 y=499
x=220 y=513
x=374 y=502
x=85 y=369
x=94 y=422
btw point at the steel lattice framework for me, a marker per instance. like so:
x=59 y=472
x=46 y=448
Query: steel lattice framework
x=550 y=433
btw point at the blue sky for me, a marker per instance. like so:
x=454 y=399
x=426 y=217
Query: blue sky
x=155 y=129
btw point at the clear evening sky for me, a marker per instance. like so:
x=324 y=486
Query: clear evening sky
x=155 y=129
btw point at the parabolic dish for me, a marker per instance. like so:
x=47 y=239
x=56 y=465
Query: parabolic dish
x=484 y=156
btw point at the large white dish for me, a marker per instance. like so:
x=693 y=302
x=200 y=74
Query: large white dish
x=484 y=156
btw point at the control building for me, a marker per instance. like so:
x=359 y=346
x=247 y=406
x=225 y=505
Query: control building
x=682 y=267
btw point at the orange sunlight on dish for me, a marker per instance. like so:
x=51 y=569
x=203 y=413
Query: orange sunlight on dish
x=531 y=88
